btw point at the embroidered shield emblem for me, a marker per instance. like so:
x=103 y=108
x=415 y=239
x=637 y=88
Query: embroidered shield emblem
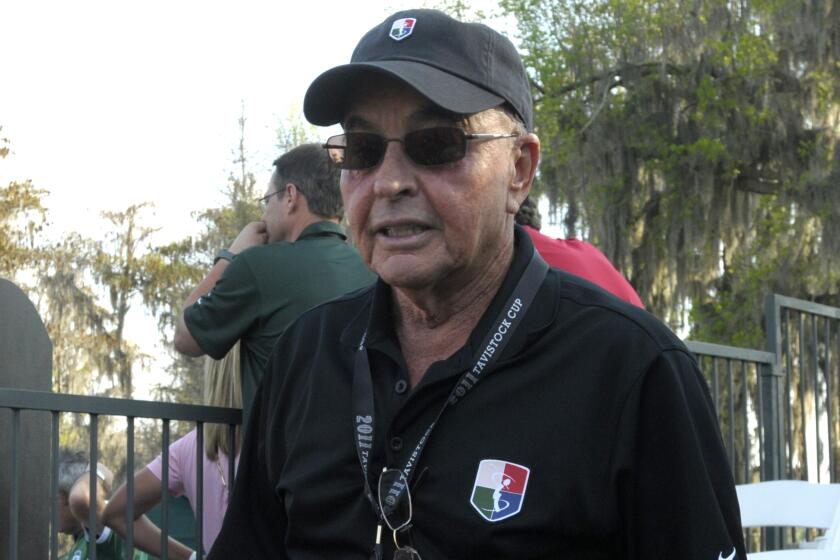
x=499 y=489
x=402 y=28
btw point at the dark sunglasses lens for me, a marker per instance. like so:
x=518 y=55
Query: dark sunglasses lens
x=436 y=146
x=394 y=499
x=356 y=150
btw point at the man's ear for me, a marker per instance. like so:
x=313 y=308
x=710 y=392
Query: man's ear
x=526 y=159
x=291 y=195
x=295 y=198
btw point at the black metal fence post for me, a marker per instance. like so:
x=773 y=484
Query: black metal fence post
x=18 y=400
x=771 y=379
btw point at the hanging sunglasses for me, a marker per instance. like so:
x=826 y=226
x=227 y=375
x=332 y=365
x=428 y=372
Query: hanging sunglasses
x=395 y=505
x=428 y=146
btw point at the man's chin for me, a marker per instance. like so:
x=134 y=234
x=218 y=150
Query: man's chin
x=407 y=281
x=407 y=273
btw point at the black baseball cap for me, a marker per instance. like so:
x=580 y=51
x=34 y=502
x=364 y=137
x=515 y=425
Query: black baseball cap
x=462 y=67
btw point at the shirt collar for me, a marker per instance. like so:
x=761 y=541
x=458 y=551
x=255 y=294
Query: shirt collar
x=375 y=320
x=319 y=228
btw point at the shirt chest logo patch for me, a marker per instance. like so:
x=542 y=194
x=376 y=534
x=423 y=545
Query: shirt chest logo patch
x=499 y=489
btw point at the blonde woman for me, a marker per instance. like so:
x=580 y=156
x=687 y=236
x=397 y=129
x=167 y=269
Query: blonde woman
x=222 y=387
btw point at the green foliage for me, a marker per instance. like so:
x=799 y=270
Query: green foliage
x=119 y=265
x=22 y=218
x=176 y=268
x=72 y=313
x=84 y=289
x=459 y=9
x=294 y=130
x=696 y=144
x=66 y=280
x=221 y=225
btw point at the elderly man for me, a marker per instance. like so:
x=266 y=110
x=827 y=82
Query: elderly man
x=473 y=403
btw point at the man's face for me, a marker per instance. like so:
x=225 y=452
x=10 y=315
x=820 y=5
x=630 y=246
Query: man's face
x=428 y=227
x=275 y=214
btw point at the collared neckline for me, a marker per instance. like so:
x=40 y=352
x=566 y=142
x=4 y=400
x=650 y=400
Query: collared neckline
x=375 y=320
x=321 y=228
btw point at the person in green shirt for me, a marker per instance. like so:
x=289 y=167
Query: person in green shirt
x=74 y=508
x=293 y=259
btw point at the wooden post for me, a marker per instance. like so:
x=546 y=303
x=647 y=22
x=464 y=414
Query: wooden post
x=25 y=363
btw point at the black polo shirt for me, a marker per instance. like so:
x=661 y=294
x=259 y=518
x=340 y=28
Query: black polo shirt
x=595 y=412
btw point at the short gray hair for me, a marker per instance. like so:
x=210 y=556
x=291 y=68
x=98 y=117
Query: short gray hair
x=503 y=113
x=71 y=465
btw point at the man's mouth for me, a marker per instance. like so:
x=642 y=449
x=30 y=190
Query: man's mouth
x=403 y=231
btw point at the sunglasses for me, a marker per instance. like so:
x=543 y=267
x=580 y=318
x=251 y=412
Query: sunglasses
x=263 y=201
x=428 y=146
x=395 y=505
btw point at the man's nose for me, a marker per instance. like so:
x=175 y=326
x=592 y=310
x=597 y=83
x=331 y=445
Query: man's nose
x=395 y=174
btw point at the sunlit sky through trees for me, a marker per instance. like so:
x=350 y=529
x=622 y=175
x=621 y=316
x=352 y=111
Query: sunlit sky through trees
x=108 y=104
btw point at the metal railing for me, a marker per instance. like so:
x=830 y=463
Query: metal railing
x=17 y=400
x=778 y=408
x=741 y=382
x=777 y=411
x=805 y=338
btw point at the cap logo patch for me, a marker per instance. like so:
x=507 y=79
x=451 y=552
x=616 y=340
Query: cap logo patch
x=402 y=28
x=499 y=489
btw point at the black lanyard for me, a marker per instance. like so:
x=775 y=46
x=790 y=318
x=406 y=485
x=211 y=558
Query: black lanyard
x=491 y=348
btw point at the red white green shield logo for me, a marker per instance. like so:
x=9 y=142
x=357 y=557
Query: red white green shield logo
x=402 y=28
x=499 y=489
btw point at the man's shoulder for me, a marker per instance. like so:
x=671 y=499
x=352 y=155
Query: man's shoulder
x=585 y=302
x=326 y=333
x=272 y=260
x=310 y=275
x=333 y=317
x=345 y=305
x=278 y=253
x=259 y=253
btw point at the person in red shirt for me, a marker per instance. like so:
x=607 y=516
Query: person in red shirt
x=575 y=256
